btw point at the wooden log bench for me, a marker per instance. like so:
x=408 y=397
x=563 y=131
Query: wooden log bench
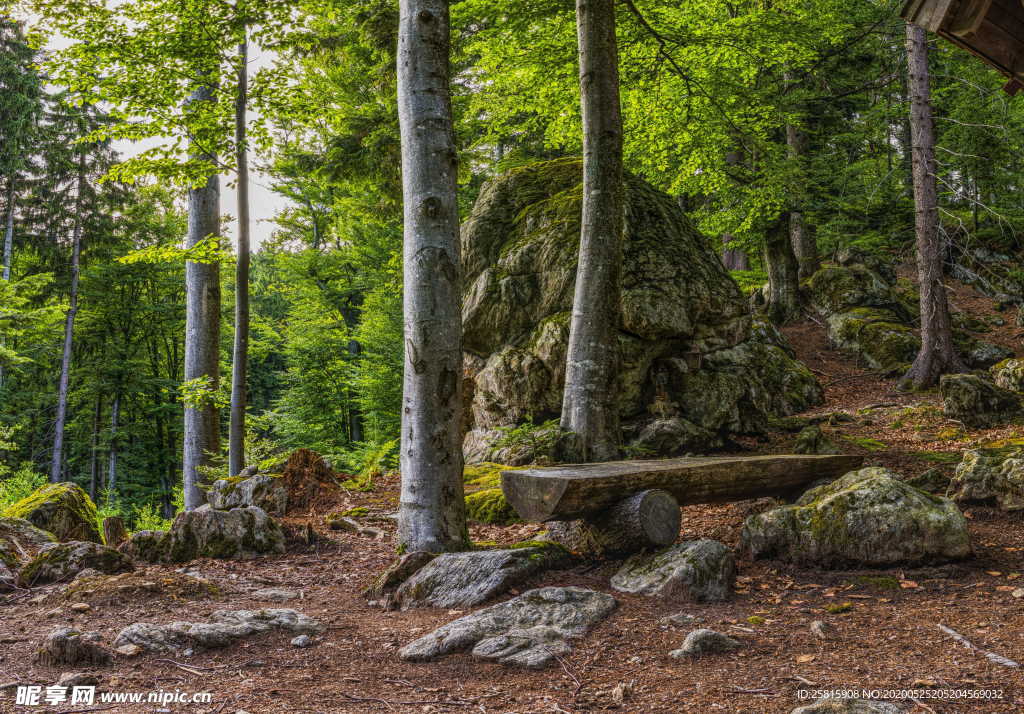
x=626 y=506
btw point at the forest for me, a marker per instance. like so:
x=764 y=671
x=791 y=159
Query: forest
x=702 y=320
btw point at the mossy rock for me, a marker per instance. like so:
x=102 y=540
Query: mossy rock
x=486 y=473
x=841 y=288
x=490 y=506
x=63 y=561
x=978 y=402
x=139 y=586
x=1009 y=374
x=811 y=440
x=990 y=476
x=868 y=517
x=875 y=337
x=63 y=509
x=933 y=481
x=146 y=546
x=240 y=533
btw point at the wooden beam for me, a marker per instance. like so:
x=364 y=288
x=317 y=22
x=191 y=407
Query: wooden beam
x=577 y=490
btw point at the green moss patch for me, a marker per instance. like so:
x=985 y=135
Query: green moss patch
x=486 y=474
x=63 y=509
x=489 y=506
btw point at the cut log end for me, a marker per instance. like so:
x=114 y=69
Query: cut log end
x=648 y=519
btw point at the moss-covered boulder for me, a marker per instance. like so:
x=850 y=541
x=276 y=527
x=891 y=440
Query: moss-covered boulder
x=62 y=561
x=1009 y=374
x=866 y=518
x=208 y=533
x=981 y=354
x=812 y=440
x=875 y=336
x=20 y=541
x=990 y=476
x=931 y=480
x=684 y=325
x=266 y=491
x=978 y=402
x=63 y=509
x=701 y=570
x=489 y=505
x=146 y=546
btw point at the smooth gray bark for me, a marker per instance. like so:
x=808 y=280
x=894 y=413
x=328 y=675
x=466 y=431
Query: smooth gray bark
x=94 y=445
x=589 y=406
x=57 y=456
x=938 y=355
x=202 y=332
x=240 y=350
x=432 y=510
x=733 y=258
x=9 y=230
x=115 y=417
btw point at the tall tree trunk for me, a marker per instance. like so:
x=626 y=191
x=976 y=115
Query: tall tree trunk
x=589 y=405
x=57 y=457
x=240 y=351
x=115 y=416
x=938 y=355
x=432 y=511
x=805 y=247
x=9 y=230
x=733 y=258
x=783 y=299
x=94 y=446
x=202 y=332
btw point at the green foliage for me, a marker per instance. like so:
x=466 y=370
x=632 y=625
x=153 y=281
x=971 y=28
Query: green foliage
x=147 y=518
x=19 y=485
x=367 y=461
x=537 y=439
x=749 y=280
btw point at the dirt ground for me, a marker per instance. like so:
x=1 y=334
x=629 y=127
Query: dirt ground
x=887 y=633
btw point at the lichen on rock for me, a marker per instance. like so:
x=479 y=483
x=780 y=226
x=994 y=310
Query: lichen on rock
x=208 y=533
x=63 y=509
x=990 y=475
x=1009 y=374
x=684 y=327
x=62 y=561
x=978 y=402
x=703 y=570
x=867 y=517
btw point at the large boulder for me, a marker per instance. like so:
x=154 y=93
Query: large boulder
x=875 y=336
x=703 y=570
x=208 y=533
x=62 y=561
x=530 y=630
x=19 y=542
x=868 y=517
x=990 y=475
x=467 y=579
x=976 y=401
x=261 y=490
x=684 y=327
x=63 y=509
x=145 y=546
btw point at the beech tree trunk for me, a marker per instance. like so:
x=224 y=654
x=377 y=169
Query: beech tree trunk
x=783 y=298
x=733 y=258
x=938 y=355
x=240 y=351
x=432 y=510
x=202 y=332
x=94 y=445
x=115 y=418
x=589 y=408
x=57 y=456
x=805 y=246
x=9 y=230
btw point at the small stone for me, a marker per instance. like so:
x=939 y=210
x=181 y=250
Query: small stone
x=1018 y=593
x=823 y=630
x=80 y=606
x=848 y=706
x=87 y=573
x=302 y=641
x=680 y=619
x=67 y=646
x=129 y=650
x=275 y=594
x=78 y=679
x=188 y=652
x=704 y=641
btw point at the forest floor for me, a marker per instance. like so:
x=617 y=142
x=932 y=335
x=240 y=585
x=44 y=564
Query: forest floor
x=887 y=635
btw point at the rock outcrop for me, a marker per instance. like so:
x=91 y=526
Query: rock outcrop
x=530 y=630
x=224 y=628
x=868 y=517
x=990 y=476
x=20 y=541
x=208 y=533
x=703 y=570
x=62 y=561
x=66 y=646
x=63 y=509
x=260 y=490
x=688 y=354
x=977 y=402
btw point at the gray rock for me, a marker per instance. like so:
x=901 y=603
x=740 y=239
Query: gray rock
x=24 y=537
x=704 y=641
x=976 y=401
x=469 y=579
x=238 y=533
x=302 y=641
x=78 y=679
x=811 y=440
x=276 y=594
x=867 y=517
x=990 y=475
x=848 y=706
x=932 y=480
x=823 y=630
x=382 y=590
x=261 y=490
x=146 y=546
x=877 y=337
x=982 y=354
x=527 y=631
x=680 y=619
x=678 y=308
x=1009 y=374
x=63 y=561
x=65 y=646
x=224 y=628
x=704 y=570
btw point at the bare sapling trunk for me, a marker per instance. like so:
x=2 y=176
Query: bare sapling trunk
x=94 y=446
x=938 y=355
x=782 y=303
x=115 y=419
x=9 y=230
x=240 y=350
x=432 y=511
x=202 y=333
x=589 y=405
x=57 y=455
